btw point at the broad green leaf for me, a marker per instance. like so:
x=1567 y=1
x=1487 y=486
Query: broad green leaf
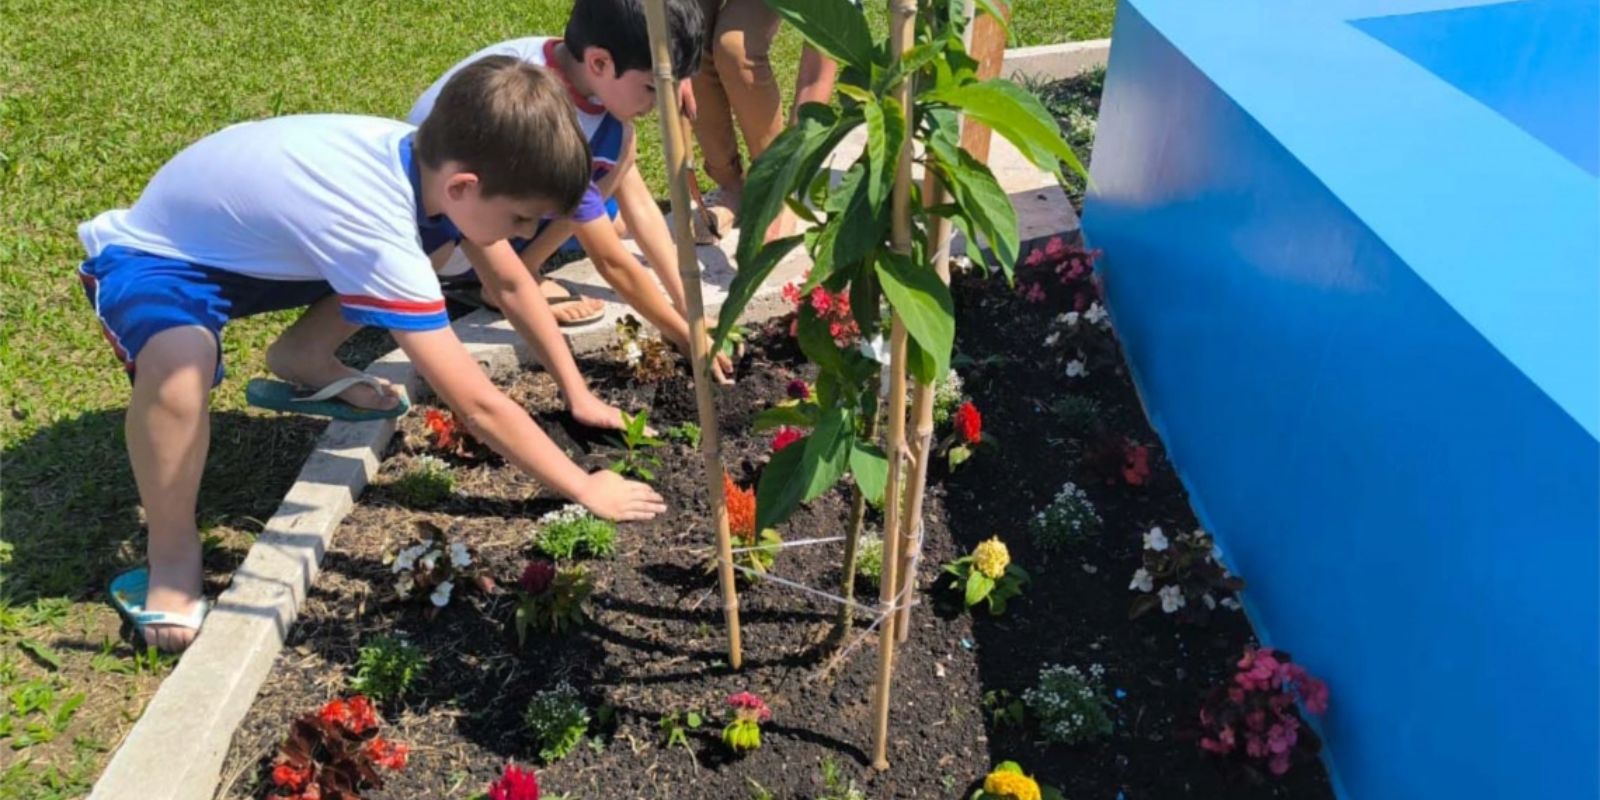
x=871 y=468
x=773 y=176
x=877 y=152
x=1017 y=115
x=923 y=303
x=751 y=275
x=804 y=470
x=979 y=586
x=921 y=366
x=861 y=227
x=986 y=204
x=864 y=301
x=836 y=27
x=817 y=343
x=989 y=7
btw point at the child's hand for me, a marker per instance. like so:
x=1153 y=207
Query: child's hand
x=722 y=369
x=611 y=496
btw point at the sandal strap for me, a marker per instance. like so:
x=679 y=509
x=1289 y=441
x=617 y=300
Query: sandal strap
x=338 y=387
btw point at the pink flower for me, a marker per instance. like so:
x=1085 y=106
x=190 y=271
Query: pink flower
x=1055 y=248
x=1035 y=293
x=1254 y=746
x=748 y=706
x=821 y=301
x=799 y=389
x=1035 y=257
x=1278 y=763
x=791 y=294
x=785 y=437
x=537 y=577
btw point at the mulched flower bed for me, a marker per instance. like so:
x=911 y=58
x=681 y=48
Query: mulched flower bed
x=656 y=644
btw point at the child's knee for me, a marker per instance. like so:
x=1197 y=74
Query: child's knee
x=175 y=362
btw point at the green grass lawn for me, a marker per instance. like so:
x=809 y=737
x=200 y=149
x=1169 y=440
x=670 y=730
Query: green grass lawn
x=94 y=97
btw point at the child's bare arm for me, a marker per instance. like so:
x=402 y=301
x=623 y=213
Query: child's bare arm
x=498 y=421
x=649 y=228
x=511 y=287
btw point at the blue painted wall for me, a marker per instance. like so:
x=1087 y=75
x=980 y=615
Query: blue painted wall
x=1360 y=291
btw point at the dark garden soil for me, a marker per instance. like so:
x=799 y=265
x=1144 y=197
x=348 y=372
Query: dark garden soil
x=656 y=643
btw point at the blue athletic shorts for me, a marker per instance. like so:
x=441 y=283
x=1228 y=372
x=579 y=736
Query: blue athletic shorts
x=137 y=295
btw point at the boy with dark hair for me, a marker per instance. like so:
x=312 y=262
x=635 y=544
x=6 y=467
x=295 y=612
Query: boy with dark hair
x=327 y=211
x=604 y=61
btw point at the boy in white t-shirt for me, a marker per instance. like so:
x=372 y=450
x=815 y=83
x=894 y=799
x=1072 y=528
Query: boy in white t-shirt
x=604 y=60
x=331 y=212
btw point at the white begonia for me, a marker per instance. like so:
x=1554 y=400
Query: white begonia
x=1052 y=339
x=1230 y=604
x=633 y=353
x=1211 y=602
x=1142 y=581
x=1077 y=369
x=1096 y=315
x=404 y=586
x=1070 y=318
x=1171 y=598
x=1155 y=540
x=441 y=594
x=427 y=562
x=406 y=560
x=1062 y=319
x=459 y=557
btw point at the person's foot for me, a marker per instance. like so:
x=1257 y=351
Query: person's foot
x=570 y=312
x=174 y=589
x=315 y=372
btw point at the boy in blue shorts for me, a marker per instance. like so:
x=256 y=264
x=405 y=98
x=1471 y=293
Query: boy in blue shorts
x=333 y=212
x=604 y=61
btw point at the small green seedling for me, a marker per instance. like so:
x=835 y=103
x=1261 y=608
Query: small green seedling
x=687 y=433
x=386 y=667
x=638 y=460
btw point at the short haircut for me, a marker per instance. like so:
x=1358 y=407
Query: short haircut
x=619 y=27
x=512 y=124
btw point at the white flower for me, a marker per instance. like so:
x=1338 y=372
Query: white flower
x=1171 y=598
x=1211 y=603
x=875 y=348
x=441 y=594
x=406 y=560
x=1076 y=369
x=404 y=586
x=633 y=353
x=1230 y=604
x=1142 y=581
x=1070 y=318
x=566 y=513
x=1050 y=341
x=1096 y=314
x=1155 y=540
x=459 y=557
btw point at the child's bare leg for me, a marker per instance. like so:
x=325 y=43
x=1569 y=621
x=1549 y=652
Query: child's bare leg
x=305 y=355
x=168 y=431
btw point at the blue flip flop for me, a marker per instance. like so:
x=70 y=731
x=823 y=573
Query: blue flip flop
x=128 y=592
x=324 y=402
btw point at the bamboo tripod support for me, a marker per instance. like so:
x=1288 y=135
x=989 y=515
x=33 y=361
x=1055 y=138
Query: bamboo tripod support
x=676 y=144
x=902 y=30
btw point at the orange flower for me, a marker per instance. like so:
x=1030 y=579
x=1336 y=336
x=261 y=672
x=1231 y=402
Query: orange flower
x=387 y=754
x=443 y=426
x=335 y=712
x=741 y=510
x=363 y=717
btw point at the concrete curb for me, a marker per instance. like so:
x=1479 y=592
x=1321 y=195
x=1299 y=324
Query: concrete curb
x=176 y=750
x=1056 y=61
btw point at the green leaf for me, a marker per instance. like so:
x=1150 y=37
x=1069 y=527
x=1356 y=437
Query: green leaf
x=692 y=720
x=979 y=586
x=817 y=344
x=982 y=200
x=1009 y=766
x=791 y=412
x=920 y=365
x=861 y=225
x=777 y=173
x=923 y=303
x=959 y=454
x=886 y=131
x=871 y=468
x=750 y=277
x=989 y=7
x=836 y=27
x=804 y=470
x=1017 y=115
x=41 y=652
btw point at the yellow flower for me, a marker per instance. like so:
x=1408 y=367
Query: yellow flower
x=1011 y=784
x=991 y=557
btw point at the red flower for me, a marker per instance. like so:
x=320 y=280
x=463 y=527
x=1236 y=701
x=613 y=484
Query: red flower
x=537 y=577
x=387 y=754
x=363 y=717
x=785 y=437
x=748 y=705
x=443 y=426
x=335 y=712
x=791 y=293
x=1135 y=463
x=288 y=776
x=969 y=423
x=515 y=784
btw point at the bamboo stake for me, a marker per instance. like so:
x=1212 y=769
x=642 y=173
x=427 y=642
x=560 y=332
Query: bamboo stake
x=902 y=26
x=852 y=544
x=677 y=152
x=987 y=43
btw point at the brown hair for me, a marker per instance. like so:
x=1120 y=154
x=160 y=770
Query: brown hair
x=510 y=123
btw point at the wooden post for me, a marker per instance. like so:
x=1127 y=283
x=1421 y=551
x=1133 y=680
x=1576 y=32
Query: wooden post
x=676 y=145
x=986 y=42
x=902 y=27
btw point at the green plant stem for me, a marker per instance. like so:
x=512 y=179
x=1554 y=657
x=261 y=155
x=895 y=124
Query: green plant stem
x=852 y=545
